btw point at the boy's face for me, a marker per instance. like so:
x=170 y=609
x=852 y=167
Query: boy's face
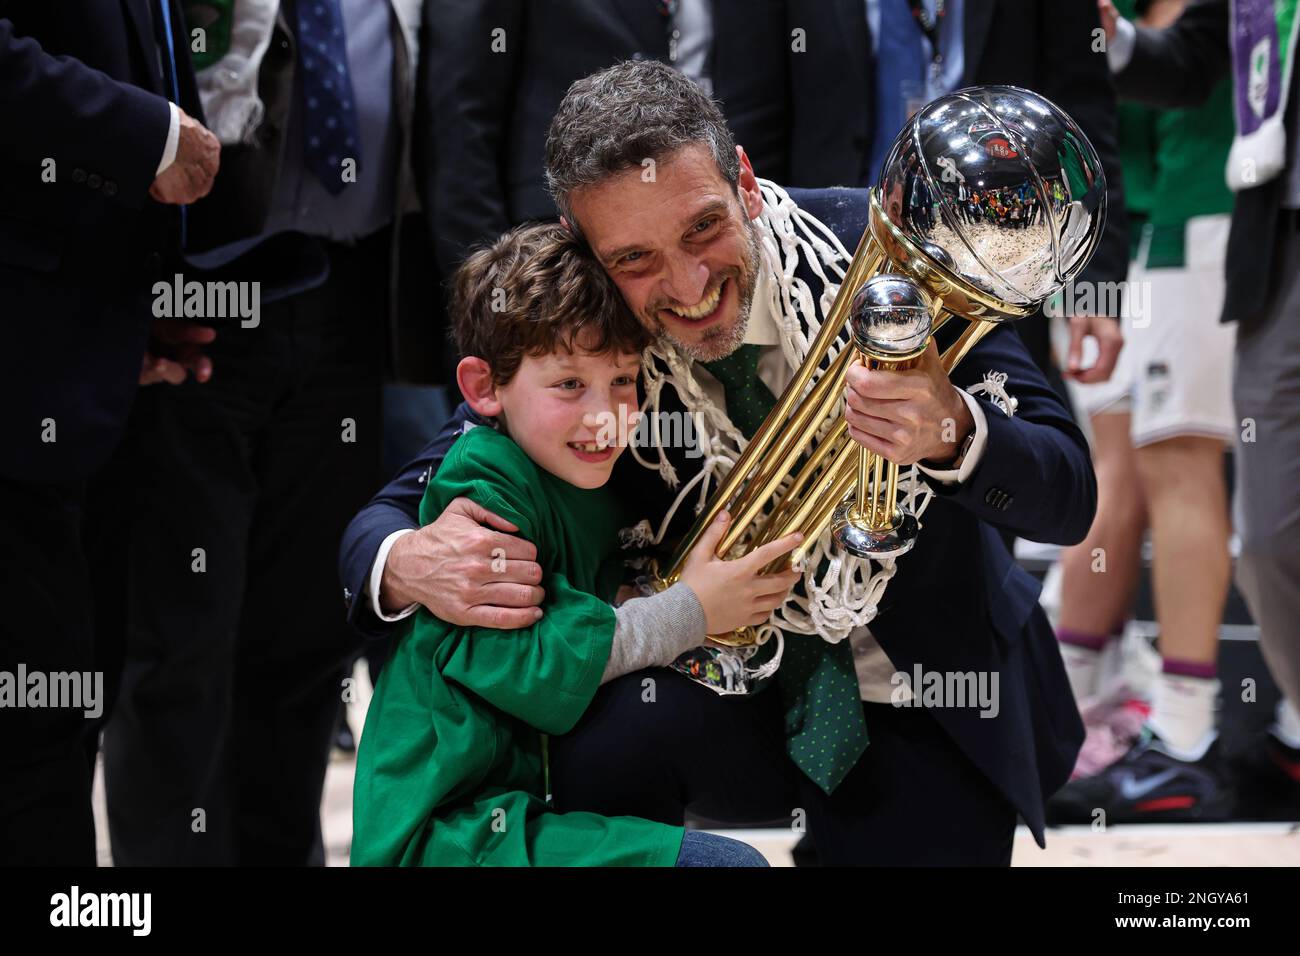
x=681 y=247
x=564 y=411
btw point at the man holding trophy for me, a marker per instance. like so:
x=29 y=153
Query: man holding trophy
x=889 y=412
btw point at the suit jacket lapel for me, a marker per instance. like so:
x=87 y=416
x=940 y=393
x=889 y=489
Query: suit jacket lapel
x=978 y=17
x=140 y=13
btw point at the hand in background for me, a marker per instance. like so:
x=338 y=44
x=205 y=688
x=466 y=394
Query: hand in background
x=1109 y=342
x=174 y=351
x=1109 y=17
x=189 y=178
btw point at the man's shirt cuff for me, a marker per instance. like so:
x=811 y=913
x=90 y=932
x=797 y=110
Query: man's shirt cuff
x=173 y=139
x=1120 y=49
x=377 y=575
x=955 y=476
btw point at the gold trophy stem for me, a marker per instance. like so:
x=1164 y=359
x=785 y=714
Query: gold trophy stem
x=969 y=338
x=810 y=474
x=814 y=513
x=787 y=448
x=887 y=507
x=864 y=481
x=879 y=519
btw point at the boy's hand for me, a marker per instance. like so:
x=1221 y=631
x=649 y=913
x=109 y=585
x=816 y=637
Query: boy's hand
x=733 y=593
x=464 y=573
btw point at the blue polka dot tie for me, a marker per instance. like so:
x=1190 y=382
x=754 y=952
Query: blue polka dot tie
x=331 y=133
x=825 y=731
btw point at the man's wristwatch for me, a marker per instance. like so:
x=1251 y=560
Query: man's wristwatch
x=954 y=463
x=965 y=450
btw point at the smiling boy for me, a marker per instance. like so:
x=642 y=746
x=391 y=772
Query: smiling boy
x=451 y=768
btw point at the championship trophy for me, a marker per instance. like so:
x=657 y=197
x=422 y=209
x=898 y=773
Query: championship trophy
x=990 y=201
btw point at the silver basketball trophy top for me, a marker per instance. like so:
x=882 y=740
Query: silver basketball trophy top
x=992 y=195
x=990 y=200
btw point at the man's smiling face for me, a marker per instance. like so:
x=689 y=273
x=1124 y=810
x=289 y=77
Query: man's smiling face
x=682 y=247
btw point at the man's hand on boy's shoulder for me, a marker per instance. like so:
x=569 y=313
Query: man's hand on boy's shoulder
x=466 y=570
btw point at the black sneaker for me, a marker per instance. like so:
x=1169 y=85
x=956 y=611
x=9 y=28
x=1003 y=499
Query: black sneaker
x=1148 y=785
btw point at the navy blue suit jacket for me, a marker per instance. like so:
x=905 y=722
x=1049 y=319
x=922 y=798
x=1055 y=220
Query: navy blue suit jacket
x=959 y=602
x=81 y=243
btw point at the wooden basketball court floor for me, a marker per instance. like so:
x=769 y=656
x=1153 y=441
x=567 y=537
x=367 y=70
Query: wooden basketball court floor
x=1228 y=844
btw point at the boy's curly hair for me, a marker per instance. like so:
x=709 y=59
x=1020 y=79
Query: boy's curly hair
x=534 y=291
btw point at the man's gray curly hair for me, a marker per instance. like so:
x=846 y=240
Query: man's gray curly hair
x=627 y=113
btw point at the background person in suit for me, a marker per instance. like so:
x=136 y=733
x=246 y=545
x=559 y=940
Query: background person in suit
x=234 y=648
x=100 y=143
x=499 y=68
x=679 y=243
x=879 y=58
x=1180 y=66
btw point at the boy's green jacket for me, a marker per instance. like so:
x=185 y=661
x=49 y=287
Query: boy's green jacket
x=450 y=768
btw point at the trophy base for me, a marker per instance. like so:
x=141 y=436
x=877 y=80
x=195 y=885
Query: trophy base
x=740 y=637
x=851 y=533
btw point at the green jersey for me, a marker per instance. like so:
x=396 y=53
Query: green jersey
x=451 y=764
x=1137 y=155
x=1173 y=163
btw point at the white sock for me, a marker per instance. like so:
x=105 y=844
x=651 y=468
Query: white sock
x=1081 y=664
x=1113 y=669
x=1182 y=713
x=1286 y=723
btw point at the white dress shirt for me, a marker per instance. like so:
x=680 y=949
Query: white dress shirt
x=173 y=139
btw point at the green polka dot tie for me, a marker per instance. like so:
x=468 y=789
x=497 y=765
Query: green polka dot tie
x=824 y=727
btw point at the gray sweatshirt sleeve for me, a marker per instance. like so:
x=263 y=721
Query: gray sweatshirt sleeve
x=655 y=631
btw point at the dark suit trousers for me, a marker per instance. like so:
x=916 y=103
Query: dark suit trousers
x=1266 y=390
x=45 y=816
x=233 y=496
x=913 y=799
